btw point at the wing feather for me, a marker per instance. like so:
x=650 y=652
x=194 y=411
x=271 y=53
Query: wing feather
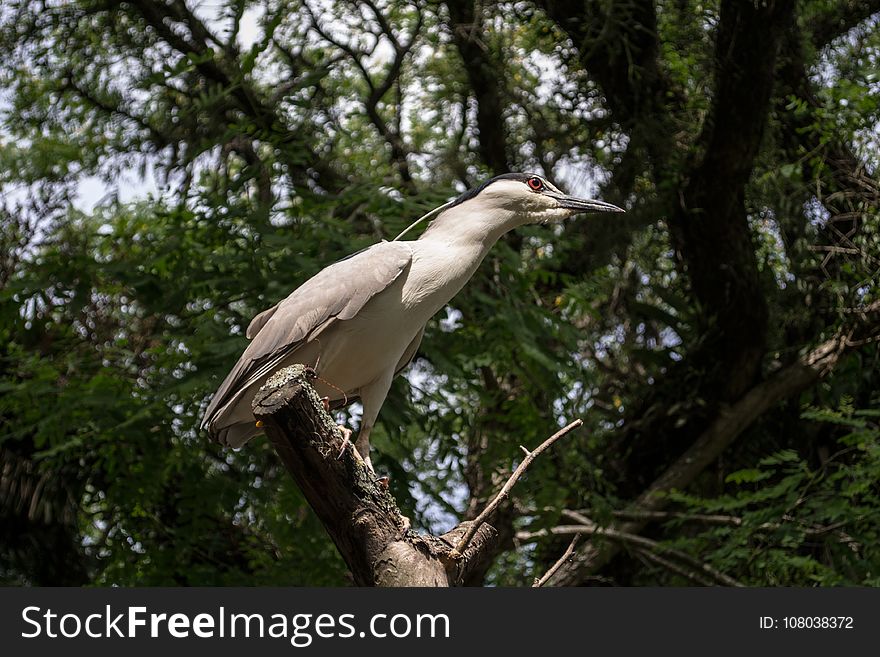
x=337 y=292
x=258 y=322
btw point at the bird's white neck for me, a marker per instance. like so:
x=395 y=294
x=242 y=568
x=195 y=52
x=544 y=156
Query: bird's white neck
x=449 y=252
x=468 y=226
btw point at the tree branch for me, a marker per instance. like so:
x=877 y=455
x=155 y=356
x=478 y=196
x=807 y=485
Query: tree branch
x=508 y=485
x=220 y=66
x=639 y=542
x=674 y=568
x=540 y=581
x=730 y=521
x=485 y=80
x=378 y=90
x=830 y=169
x=358 y=512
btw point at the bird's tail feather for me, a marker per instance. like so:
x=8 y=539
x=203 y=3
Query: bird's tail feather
x=236 y=435
x=233 y=424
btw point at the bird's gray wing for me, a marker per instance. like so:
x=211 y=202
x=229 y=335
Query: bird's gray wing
x=260 y=320
x=337 y=292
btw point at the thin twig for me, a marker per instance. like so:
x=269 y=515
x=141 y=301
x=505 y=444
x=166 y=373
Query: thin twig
x=505 y=490
x=539 y=582
x=809 y=531
x=709 y=519
x=635 y=540
x=675 y=568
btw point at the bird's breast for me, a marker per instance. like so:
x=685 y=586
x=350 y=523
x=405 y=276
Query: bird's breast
x=436 y=275
x=357 y=351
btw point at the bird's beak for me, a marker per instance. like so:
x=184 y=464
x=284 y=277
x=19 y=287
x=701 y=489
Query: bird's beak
x=578 y=205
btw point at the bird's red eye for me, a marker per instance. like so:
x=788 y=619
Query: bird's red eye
x=536 y=184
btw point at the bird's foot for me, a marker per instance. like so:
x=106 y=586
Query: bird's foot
x=365 y=459
x=325 y=402
x=346 y=440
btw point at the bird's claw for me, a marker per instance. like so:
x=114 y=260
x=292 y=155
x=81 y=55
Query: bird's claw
x=346 y=440
x=365 y=459
x=325 y=402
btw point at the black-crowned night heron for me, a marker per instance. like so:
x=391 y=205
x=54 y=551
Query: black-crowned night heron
x=359 y=322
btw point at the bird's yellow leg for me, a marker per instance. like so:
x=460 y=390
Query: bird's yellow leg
x=362 y=446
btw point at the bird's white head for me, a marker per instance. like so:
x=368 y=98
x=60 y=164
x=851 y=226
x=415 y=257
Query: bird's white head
x=533 y=198
x=505 y=202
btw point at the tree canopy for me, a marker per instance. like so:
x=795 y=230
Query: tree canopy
x=719 y=340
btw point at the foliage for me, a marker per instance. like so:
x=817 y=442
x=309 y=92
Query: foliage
x=787 y=522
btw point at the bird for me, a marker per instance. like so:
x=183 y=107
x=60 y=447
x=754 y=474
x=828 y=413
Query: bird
x=360 y=321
